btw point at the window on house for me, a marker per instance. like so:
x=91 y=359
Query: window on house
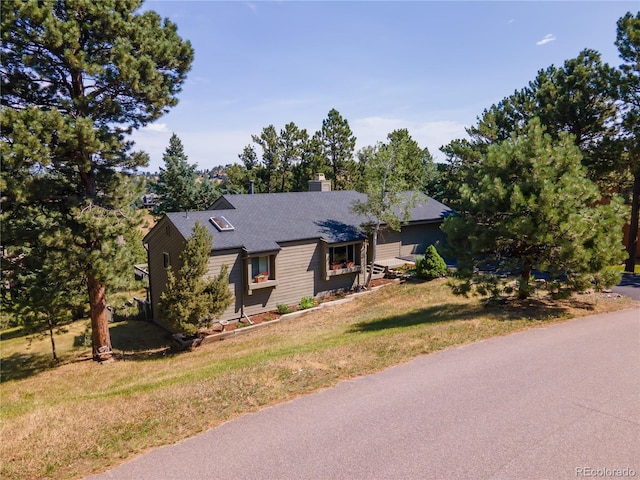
x=165 y=260
x=261 y=266
x=344 y=256
x=261 y=272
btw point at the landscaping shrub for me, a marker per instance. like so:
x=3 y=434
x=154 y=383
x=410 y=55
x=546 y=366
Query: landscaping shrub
x=307 y=302
x=283 y=309
x=431 y=265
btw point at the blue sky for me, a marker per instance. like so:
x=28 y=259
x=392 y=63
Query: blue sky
x=431 y=67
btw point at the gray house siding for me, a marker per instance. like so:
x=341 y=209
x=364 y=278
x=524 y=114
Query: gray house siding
x=416 y=238
x=299 y=232
x=413 y=239
x=163 y=240
x=294 y=277
x=296 y=265
x=389 y=243
x=233 y=259
x=299 y=272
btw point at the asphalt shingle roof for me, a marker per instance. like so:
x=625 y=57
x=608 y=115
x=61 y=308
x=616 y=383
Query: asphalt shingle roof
x=261 y=221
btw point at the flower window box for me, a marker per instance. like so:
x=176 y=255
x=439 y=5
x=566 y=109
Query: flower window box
x=261 y=277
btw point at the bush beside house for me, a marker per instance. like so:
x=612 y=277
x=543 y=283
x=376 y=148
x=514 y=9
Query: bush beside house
x=431 y=265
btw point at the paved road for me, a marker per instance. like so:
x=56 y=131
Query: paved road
x=629 y=287
x=561 y=402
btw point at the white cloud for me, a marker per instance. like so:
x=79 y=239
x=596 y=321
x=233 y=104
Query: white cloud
x=550 y=37
x=155 y=128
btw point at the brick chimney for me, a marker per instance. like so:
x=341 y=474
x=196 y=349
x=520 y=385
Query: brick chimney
x=320 y=184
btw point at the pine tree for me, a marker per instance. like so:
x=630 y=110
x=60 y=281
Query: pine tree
x=530 y=207
x=219 y=296
x=580 y=98
x=77 y=76
x=189 y=302
x=179 y=186
x=628 y=42
x=269 y=141
x=42 y=293
x=292 y=144
x=431 y=265
x=337 y=143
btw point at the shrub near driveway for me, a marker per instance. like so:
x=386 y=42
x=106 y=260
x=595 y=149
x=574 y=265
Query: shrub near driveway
x=431 y=265
x=81 y=418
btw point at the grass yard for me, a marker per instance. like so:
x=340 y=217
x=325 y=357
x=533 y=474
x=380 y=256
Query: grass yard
x=636 y=270
x=81 y=417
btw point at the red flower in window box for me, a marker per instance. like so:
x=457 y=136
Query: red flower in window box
x=261 y=277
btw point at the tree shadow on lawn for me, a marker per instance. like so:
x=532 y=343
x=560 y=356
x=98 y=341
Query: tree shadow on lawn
x=139 y=340
x=130 y=340
x=23 y=365
x=532 y=309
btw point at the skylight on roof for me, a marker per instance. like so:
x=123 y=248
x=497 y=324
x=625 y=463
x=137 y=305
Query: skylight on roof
x=221 y=223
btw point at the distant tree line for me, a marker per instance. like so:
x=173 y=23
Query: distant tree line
x=285 y=160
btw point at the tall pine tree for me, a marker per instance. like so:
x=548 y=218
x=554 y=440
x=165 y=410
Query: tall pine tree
x=580 y=97
x=628 y=42
x=528 y=207
x=337 y=146
x=76 y=77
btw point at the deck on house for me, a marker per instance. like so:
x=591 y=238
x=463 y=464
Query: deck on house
x=396 y=262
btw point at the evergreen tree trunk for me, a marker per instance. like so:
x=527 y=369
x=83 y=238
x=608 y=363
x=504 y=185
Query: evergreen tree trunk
x=101 y=341
x=53 y=342
x=632 y=243
x=525 y=278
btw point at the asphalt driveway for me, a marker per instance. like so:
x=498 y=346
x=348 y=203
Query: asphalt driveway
x=561 y=402
x=629 y=286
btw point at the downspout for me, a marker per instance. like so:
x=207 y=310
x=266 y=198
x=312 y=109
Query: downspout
x=149 y=294
x=245 y=316
x=244 y=281
x=242 y=314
